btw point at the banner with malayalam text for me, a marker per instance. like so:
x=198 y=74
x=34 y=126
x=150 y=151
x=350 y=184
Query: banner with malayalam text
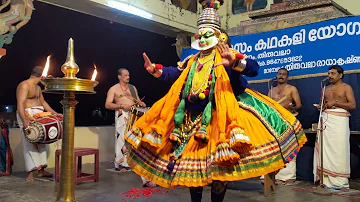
x=307 y=50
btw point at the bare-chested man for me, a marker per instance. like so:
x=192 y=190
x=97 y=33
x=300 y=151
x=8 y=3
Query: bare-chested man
x=284 y=93
x=339 y=99
x=121 y=97
x=30 y=100
x=288 y=96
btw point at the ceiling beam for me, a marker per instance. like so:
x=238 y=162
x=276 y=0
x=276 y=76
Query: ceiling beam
x=101 y=11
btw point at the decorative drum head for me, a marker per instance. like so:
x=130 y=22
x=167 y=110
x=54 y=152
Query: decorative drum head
x=34 y=133
x=142 y=109
x=139 y=111
x=53 y=132
x=44 y=130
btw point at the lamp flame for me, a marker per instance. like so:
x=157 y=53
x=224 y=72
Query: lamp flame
x=94 y=74
x=47 y=65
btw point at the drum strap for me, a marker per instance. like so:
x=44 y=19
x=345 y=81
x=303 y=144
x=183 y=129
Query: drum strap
x=29 y=116
x=132 y=91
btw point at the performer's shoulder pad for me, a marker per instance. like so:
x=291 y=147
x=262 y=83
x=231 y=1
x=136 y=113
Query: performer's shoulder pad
x=182 y=64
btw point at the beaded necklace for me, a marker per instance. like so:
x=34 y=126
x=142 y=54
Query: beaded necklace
x=202 y=73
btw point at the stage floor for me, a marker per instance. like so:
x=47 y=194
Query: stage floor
x=113 y=186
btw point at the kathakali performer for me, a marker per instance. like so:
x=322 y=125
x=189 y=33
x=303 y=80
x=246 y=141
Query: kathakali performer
x=210 y=128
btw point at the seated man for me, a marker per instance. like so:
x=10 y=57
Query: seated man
x=30 y=101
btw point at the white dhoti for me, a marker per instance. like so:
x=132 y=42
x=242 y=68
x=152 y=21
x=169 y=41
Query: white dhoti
x=35 y=155
x=287 y=173
x=120 y=149
x=336 y=147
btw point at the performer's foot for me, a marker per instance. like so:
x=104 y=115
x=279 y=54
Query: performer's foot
x=149 y=184
x=345 y=189
x=262 y=179
x=123 y=169
x=30 y=177
x=43 y=173
x=289 y=182
x=124 y=150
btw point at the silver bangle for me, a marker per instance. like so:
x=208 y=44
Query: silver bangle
x=240 y=66
x=160 y=70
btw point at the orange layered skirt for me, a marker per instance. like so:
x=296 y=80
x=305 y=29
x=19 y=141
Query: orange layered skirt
x=249 y=135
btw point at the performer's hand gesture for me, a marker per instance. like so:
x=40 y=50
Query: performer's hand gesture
x=148 y=65
x=228 y=58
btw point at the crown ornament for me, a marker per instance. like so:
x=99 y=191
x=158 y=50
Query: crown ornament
x=210 y=18
x=209 y=25
x=211 y=3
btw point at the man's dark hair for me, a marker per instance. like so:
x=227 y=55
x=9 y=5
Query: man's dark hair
x=283 y=68
x=37 y=71
x=339 y=69
x=121 y=70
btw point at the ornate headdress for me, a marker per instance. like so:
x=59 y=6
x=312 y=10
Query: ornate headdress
x=208 y=21
x=210 y=17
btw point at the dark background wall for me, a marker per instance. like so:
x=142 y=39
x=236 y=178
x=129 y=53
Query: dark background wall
x=108 y=45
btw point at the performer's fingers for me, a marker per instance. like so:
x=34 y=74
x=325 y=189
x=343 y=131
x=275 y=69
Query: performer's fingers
x=150 y=69
x=226 y=47
x=146 y=59
x=221 y=47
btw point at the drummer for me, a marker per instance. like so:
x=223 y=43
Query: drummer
x=284 y=93
x=121 y=97
x=288 y=96
x=30 y=99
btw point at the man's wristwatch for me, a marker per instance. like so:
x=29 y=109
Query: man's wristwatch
x=120 y=106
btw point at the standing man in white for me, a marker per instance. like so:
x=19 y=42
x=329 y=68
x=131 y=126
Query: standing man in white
x=121 y=97
x=31 y=101
x=339 y=99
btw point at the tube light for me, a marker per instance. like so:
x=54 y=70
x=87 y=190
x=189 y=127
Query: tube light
x=129 y=9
